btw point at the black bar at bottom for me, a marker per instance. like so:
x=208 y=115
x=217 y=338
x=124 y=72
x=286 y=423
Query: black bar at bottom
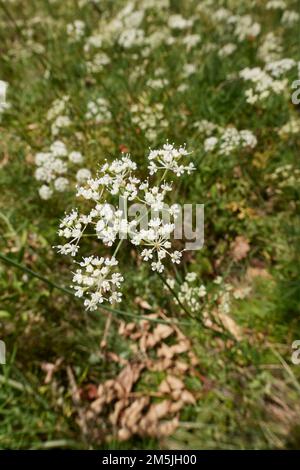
x=136 y=459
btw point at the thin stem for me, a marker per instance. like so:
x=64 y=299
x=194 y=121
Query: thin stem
x=175 y=295
x=117 y=247
x=23 y=268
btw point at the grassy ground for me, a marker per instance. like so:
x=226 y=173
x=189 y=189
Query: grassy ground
x=248 y=390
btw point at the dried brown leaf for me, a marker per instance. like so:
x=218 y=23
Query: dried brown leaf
x=128 y=376
x=230 y=325
x=240 y=248
x=142 y=303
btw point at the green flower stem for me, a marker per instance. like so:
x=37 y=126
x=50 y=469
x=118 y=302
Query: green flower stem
x=117 y=312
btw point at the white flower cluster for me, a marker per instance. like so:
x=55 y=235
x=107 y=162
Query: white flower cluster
x=244 y=27
x=97 y=63
x=285 y=176
x=148 y=117
x=230 y=140
x=96 y=279
x=221 y=14
x=290 y=17
x=125 y=27
x=270 y=48
x=227 y=50
x=179 y=22
x=53 y=165
x=188 y=70
x=280 y=67
x=131 y=38
x=157 y=83
x=191 y=40
x=107 y=222
x=276 y=5
x=169 y=158
x=263 y=84
x=290 y=127
x=58 y=115
x=224 y=297
x=213 y=303
x=129 y=28
x=190 y=294
x=93 y=42
x=98 y=110
x=206 y=127
x=133 y=28
x=130 y=21
x=76 y=30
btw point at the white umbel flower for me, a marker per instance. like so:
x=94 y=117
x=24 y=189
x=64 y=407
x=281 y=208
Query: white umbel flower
x=230 y=140
x=97 y=281
x=189 y=292
x=169 y=158
x=53 y=166
x=45 y=192
x=83 y=174
x=263 y=84
x=76 y=30
x=61 y=184
x=76 y=157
